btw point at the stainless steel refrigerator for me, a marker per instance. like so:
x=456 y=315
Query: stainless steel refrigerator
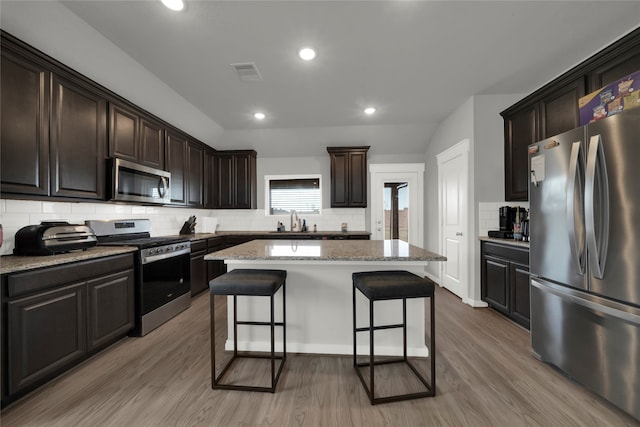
x=585 y=256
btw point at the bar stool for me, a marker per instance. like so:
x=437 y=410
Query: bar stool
x=244 y=282
x=392 y=285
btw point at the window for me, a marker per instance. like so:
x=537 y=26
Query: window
x=287 y=193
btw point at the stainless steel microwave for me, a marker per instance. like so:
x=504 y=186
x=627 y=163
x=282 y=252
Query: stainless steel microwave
x=132 y=182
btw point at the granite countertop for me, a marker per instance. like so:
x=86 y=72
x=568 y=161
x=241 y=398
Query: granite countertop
x=13 y=263
x=326 y=250
x=511 y=242
x=292 y=234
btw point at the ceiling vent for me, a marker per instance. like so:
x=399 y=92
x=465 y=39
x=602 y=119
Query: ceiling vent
x=247 y=71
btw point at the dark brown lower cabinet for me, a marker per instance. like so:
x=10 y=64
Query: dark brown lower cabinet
x=55 y=317
x=505 y=280
x=46 y=333
x=198 y=267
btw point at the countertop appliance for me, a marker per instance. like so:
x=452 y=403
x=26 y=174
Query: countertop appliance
x=509 y=215
x=163 y=287
x=585 y=256
x=132 y=182
x=53 y=237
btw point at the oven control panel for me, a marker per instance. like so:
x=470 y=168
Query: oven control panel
x=158 y=253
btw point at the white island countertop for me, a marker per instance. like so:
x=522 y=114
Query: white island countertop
x=326 y=250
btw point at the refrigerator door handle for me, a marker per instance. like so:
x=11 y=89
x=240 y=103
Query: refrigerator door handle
x=575 y=174
x=597 y=179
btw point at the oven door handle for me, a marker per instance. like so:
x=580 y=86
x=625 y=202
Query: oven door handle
x=159 y=257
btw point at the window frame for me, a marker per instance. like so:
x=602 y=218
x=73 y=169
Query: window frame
x=267 y=193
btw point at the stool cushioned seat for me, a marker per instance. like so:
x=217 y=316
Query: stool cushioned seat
x=381 y=285
x=248 y=282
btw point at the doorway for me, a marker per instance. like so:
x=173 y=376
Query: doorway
x=453 y=193
x=404 y=182
x=396 y=211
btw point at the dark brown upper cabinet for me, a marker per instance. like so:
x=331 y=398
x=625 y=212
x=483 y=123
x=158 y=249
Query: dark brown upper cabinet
x=348 y=176
x=195 y=166
x=134 y=137
x=176 y=157
x=78 y=140
x=24 y=123
x=553 y=109
x=235 y=179
x=209 y=181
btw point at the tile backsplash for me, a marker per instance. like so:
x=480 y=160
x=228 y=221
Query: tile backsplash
x=489 y=216
x=15 y=214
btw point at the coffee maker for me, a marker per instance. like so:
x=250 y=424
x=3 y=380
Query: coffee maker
x=508 y=217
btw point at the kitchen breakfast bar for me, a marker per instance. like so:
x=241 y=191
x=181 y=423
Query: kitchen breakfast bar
x=319 y=293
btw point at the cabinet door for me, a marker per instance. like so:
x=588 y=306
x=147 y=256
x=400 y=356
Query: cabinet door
x=339 y=180
x=199 y=275
x=209 y=181
x=520 y=295
x=151 y=143
x=619 y=63
x=520 y=132
x=195 y=159
x=47 y=332
x=110 y=308
x=176 y=156
x=559 y=111
x=24 y=125
x=78 y=135
x=123 y=132
x=496 y=271
x=244 y=181
x=225 y=181
x=358 y=180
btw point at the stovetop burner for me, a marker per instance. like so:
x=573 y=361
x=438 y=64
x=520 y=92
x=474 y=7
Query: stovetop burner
x=143 y=242
x=130 y=232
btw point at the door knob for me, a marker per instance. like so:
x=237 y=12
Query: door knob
x=458 y=233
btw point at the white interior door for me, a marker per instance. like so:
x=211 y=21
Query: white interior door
x=453 y=172
x=413 y=175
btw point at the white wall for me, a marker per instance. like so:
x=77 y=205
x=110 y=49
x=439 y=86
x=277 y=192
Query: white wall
x=456 y=127
x=479 y=120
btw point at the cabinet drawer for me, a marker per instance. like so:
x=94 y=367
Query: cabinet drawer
x=512 y=253
x=198 y=246
x=37 y=280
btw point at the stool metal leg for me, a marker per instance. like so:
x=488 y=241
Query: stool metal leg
x=369 y=388
x=216 y=383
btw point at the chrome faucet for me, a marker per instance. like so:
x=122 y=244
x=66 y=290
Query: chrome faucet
x=294 y=224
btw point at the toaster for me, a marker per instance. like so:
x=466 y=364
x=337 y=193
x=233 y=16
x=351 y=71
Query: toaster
x=53 y=237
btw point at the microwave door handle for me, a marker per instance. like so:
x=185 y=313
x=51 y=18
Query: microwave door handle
x=597 y=178
x=162 y=187
x=574 y=160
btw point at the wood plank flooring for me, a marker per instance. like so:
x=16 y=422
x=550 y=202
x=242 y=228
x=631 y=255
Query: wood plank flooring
x=486 y=376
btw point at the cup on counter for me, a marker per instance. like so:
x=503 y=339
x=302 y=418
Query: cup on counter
x=517 y=231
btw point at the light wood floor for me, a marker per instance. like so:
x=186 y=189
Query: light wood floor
x=486 y=376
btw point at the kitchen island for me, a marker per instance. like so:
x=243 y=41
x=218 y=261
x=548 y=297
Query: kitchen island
x=319 y=293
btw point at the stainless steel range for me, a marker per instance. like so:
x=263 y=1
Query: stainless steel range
x=162 y=273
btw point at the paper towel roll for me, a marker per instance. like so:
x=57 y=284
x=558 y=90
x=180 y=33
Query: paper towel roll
x=209 y=224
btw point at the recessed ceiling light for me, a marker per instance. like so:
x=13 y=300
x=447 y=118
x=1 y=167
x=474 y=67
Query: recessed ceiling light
x=176 y=5
x=307 y=53
x=369 y=110
x=259 y=116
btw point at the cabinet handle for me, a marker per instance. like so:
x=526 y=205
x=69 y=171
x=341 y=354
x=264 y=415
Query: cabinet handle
x=458 y=233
